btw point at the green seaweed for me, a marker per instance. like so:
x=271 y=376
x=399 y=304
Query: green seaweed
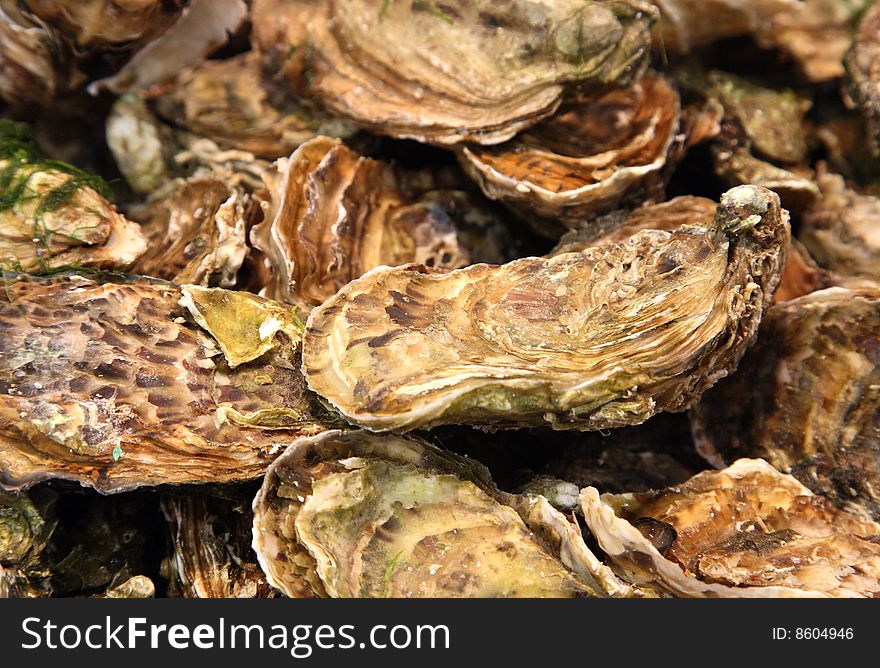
x=22 y=158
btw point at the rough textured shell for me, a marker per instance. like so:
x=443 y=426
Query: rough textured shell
x=332 y=215
x=840 y=230
x=806 y=397
x=687 y=24
x=237 y=105
x=212 y=553
x=589 y=157
x=746 y=531
x=473 y=71
x=114 y=386
x=51 y=217
x=197 y=233
x=605 y=337
x=356 y=514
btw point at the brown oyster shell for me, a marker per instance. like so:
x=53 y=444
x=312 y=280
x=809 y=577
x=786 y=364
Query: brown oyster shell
x=602 y=338
x=100 y=23
x=333 y=215
x=29 y=72
x=617 y=227
x=352 y=514
x=202 y=27
x=687 y=24
x=234 y=103
x=801 y=275
x=197 y=233
x=762 y=138
x=115 y=386
x=590 y=157
x=746 y=531
x=863 y=67
x=212 y=556
x=841 y=230
x=816 y=37
x=473 y=72
x=58 y=221
x=806 y=398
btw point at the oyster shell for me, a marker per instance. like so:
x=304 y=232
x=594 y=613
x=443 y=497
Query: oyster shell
x=202 y=27
x=212 y=553
x=197 y=233
x=469 y=72
x=841 y=229
x=352 y=514
x=602 y=338
x=816 y=37
x=863 y=68
x=102 y=23
x=761 y=139
x=746 y=531
x=29 y=72
x=53 y=215
x=806 y=397
x=687 y=24
x=26 y=525
x=234 y=103
x=800 y=275
x=594 y=154
x=332 y=215
x=136 y=382
x=619 y=226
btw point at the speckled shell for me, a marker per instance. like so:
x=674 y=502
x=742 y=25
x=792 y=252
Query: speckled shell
x=472 y=72
x=604 y=337
x=747 y=531
x=353 y=514
x=115 y=386
x=806 y=397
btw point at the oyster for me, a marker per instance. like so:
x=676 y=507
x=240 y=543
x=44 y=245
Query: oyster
x=332 y=215
x=351 y=514
x=841 y=229
x=471 y=71
x=806 y=398
x=197 y=233
x=101 y=23
x=619 y=226
x=202 y=27
x=863 y=68
x=237 y=105
x=135 y=382
x=53 y=215
x=800 y=275
x=29 y=71
x=686 y=24
x=816 y=37
x=746 y=531
x=601 y=338
x=26 y=525
x=212 y=552
x=762 y=140
x=594 y=154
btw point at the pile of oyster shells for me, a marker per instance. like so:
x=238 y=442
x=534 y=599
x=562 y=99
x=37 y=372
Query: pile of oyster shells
x=423 y=298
